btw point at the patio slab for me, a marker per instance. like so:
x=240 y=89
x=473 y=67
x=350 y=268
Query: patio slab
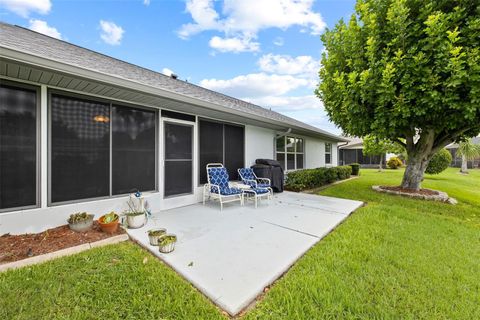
x=232 y=255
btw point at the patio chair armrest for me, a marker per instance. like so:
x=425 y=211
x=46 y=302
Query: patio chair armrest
x=211 y=185
x=264 y=180
x=246 y=181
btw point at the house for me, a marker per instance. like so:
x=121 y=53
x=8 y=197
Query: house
x=352 y=152
x=457 y=160
x=80 y=130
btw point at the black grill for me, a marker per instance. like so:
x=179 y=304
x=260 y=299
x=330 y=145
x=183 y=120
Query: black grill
x=271 y=169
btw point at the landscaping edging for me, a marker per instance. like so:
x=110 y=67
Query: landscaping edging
x=439 y=196
x=62 y=253
x=316 y=190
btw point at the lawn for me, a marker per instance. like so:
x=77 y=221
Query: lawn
x=393 y=258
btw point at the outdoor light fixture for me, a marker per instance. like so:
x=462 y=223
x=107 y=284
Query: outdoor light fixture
x=101 y=118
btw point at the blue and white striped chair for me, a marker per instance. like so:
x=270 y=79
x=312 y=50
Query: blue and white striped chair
x=218 y=187
x=248 y=177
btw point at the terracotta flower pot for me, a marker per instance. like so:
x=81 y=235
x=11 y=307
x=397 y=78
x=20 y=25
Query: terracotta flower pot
x=111 y=227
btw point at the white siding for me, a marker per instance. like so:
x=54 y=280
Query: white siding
x=259 y=144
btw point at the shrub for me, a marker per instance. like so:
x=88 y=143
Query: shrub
x=313 y=178
x=439 y=162
x=343 y=172
x=394 y=163
x=355 y=168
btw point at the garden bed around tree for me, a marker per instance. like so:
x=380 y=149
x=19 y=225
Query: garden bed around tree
x=425 y=194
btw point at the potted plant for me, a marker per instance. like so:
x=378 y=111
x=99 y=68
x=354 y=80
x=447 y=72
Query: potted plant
x=154 y=235
x=80 y=221
x=136 y=213
x=166 y=243
x=109 y=222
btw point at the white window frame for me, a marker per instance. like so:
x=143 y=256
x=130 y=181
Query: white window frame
x=295 y=152
x=328 y=152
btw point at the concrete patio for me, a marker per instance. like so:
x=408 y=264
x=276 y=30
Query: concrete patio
x=231 y=256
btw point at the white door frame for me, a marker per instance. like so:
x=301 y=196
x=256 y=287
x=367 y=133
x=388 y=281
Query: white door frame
x=184 y=199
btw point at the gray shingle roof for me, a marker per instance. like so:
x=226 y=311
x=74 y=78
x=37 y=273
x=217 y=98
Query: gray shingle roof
x=24 y=40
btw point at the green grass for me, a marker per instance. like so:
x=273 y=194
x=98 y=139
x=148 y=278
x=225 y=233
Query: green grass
x=112 y=282
x=395 y=258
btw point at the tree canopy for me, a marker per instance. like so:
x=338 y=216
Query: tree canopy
x=405 y=69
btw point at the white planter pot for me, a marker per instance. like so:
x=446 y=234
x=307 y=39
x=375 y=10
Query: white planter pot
x=154 y=238
x=168 y=247
x=137 y=221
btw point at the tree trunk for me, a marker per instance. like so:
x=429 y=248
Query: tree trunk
x=413 y=176
x=380 y=165
x=464 y=168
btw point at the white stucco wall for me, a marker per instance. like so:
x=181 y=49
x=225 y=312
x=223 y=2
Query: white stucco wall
x=315 y=153
x=259 y=144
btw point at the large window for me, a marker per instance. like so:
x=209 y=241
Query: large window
x=98 y=149
x=328 y=153
x=221 y=143
x=133 y=149
x=290 y=152
x=18 y=147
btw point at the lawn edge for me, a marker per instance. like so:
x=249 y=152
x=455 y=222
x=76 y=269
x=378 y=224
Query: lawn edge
x=62 y=253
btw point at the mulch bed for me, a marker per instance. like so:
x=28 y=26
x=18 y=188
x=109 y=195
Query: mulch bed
x=425 y=192
x=18 y=247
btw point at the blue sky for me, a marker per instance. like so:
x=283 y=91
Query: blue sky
x=263 y=51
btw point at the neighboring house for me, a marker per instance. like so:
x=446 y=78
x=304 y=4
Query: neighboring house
x=80 y=130
x=352 y=152
x=457 y=160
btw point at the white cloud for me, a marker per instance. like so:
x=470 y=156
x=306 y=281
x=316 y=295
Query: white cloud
x=305 y=66
x=240 y=44
x=167 y=72
x=288 y=103
x=204 y=15
x=255 y=85
x=111 y=33
x=278 y=41
x=24 y=7
x=244 y=19
x=43 y=27
x=146 y=2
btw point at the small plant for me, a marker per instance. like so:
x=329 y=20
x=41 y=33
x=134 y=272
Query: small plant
x=154 y=235
x=109 y=217
x=166 y=243
x=394 y=163
x=157 y=232
x=136 y=213
x=80 y=221
x=79 y=217
x=167 y=240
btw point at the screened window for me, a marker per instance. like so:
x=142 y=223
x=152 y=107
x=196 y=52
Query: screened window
x=221 y=143
x=80 y=149
x=18 y=147
x=290 y=152
x=98 y=149
x=133 y=149
x=328 y=153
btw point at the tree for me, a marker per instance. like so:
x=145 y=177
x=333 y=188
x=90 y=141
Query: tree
x=373 y=146
x=405 y=69
x=468 y=151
